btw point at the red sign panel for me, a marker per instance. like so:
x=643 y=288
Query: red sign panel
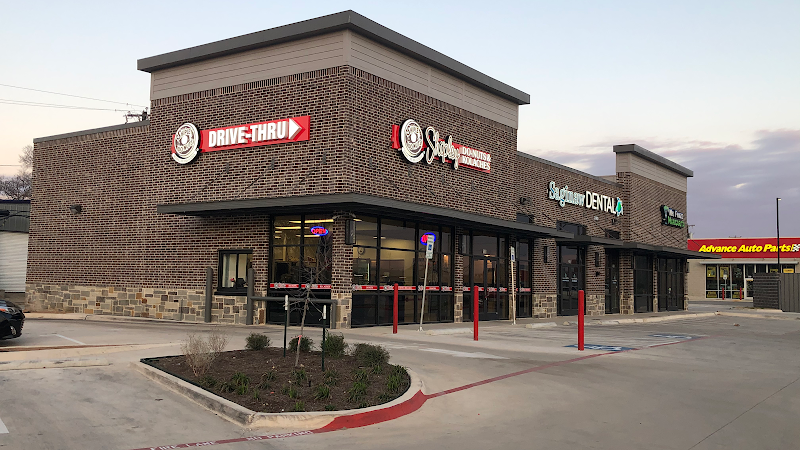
x=747 y=247
x=279 y=131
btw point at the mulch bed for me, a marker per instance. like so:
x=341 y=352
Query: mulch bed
x=270 y=378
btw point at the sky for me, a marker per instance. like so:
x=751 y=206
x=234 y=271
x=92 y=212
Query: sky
x=712 y=85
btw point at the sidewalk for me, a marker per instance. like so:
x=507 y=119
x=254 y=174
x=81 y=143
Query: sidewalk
x=466 y=327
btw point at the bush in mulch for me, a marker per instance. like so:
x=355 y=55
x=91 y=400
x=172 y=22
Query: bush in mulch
x=305 y=344
x=263 y=380
x=257 y=341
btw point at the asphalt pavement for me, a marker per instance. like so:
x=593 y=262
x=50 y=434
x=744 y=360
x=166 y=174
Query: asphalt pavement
x=700 y=383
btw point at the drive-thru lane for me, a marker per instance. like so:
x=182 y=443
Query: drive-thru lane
x=720 y=392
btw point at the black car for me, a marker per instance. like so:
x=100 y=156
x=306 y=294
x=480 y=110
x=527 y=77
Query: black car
x=11 y=320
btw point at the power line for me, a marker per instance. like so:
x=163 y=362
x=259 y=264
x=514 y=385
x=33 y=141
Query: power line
x=51 y=105
x=70 y=95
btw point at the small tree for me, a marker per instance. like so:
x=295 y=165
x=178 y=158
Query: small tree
x=18 y=187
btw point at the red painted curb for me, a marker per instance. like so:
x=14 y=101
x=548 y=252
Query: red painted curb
x=372 y=417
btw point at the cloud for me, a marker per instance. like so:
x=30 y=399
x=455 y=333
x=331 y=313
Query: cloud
x=734 y=186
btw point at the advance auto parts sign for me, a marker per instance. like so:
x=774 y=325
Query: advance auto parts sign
x=188 y=142
x=747 y=247
x=416 y=144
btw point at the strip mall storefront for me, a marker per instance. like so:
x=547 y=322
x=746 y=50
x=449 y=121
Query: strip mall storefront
x=324 y=156
x=732 y=276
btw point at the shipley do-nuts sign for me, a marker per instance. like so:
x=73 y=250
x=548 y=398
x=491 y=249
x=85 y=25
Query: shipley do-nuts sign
x=188 y=142
x=416 y=144
x=589 y=199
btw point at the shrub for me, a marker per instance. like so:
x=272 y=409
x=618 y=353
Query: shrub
x=217 y=341
x=363 y=405
x=361 y=375
x=385 y=397
x=227 y=387
x=299 y=407
x=269 y=376
x=399 y=370
x=330 y=377
x=322 y=392
x=330 y=408
x=393 y=384
x=207 y=381
x=357 y=392
x=198 y=354
x=305 y=344
x=240 y=379
x=371 y=355
x=290 y=390
x=242 y=390
x=257 y=341
x=335 y=346
x=256 y=395
x=299 y=375
x=376 y=369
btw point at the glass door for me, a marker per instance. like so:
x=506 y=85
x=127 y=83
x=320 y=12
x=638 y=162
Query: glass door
x=571 y=279
x=485 y=276
x=612 y=282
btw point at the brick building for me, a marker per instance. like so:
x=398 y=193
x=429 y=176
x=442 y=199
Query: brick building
x=322 y=155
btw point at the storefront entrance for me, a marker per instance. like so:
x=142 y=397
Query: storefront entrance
x=572 y=275
x=670 y=284
x=612 y=282
x=485 y=276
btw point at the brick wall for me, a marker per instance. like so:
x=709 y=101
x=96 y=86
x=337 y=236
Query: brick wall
x=119 y=242
x=766 y=290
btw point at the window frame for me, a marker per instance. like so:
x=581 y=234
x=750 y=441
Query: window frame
x=221 y=290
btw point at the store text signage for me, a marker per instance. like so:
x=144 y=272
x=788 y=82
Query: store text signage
x=672 y=217
x=747 y=247
x=589 y=199
x=188 y=142
x=416 y=144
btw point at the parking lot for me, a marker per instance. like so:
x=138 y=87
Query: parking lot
x=707 y=383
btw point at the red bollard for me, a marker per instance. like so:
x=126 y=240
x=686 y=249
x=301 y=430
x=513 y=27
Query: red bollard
x=394 y=326
x=580 y=320
x=740 y=294
x=475 y=311
x=723 y=292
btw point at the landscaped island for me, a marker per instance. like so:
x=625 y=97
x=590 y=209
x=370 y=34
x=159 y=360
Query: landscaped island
x=263 y=380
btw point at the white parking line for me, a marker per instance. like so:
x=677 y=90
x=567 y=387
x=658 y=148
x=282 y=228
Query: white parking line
x=3 y=429
x=64 y=337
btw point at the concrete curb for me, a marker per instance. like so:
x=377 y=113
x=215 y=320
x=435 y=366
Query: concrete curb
x=245 y=417
x=541 y=325
x=57 y=354
x=52 y=363
x=446 y=331
x=775 y=315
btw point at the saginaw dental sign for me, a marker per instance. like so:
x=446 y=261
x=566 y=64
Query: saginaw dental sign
x=188 y=142
x=416 y=144
x=589 y=199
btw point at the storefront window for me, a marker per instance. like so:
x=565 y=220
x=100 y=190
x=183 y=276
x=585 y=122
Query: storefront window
x=642 y=283
x=365 y=264
x=233 y=266
x=390 y=251
x=301 y=252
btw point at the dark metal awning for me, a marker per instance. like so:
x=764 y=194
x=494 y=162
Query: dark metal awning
x=672 y=252
x=591 y=240
x=357 y=203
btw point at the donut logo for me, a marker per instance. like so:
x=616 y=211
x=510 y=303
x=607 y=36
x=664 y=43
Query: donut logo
x=411 y=141
x=185 y=144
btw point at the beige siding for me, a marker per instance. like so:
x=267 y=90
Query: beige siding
x=394 y=66
x=696 y=280
x=320 y=52
x=628 y=162
x=331 y=50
